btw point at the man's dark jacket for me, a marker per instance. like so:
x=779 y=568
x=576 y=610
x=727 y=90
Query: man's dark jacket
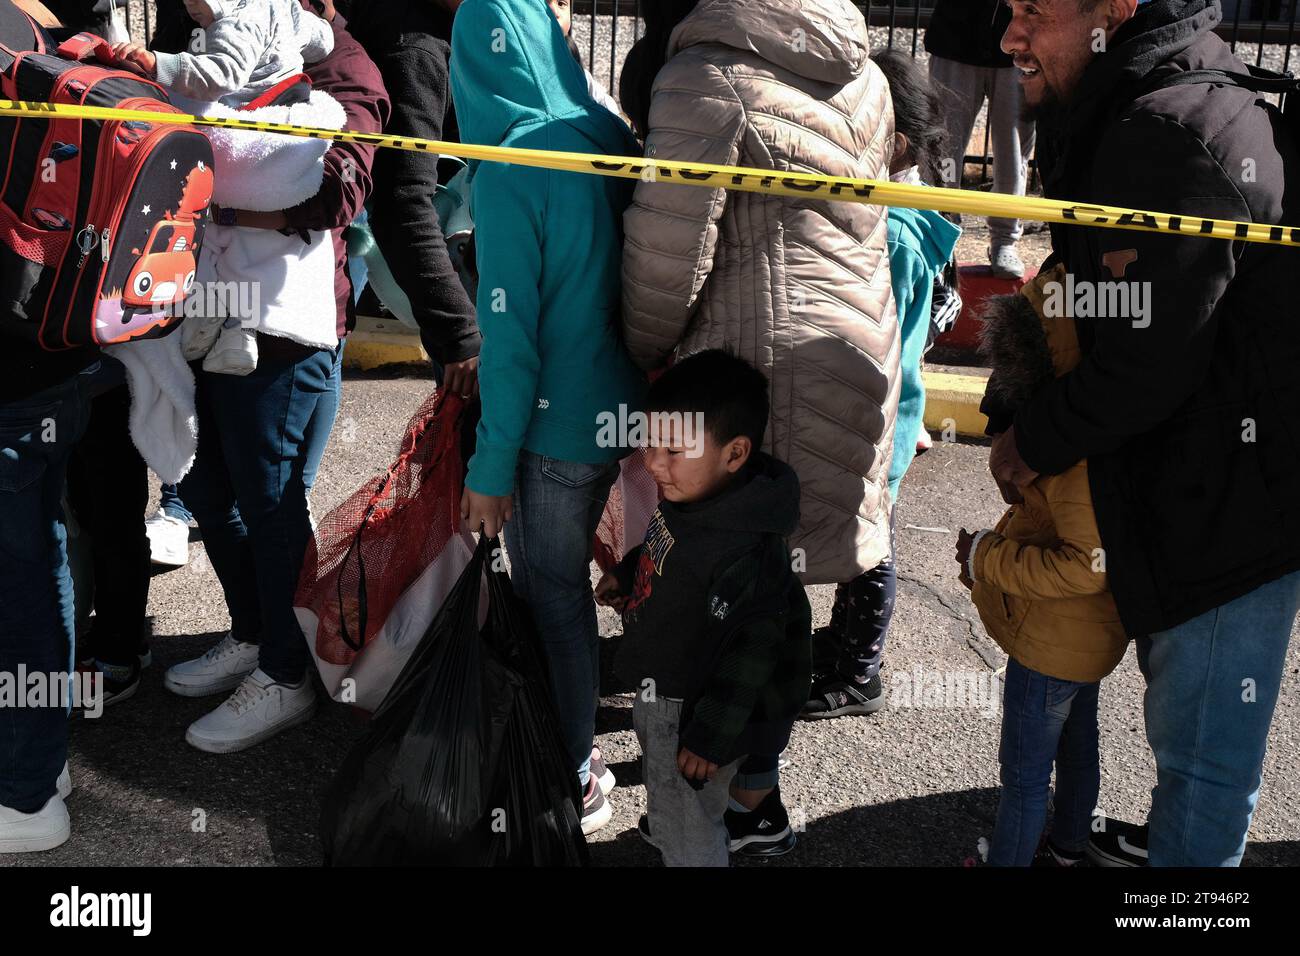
x=1189 y=425
x=409 y=40
x=968 y=31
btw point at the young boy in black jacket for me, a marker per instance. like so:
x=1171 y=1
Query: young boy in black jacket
x=716 y=627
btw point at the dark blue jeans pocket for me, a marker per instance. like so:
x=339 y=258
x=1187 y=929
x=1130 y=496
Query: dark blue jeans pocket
x=27 y=433
x=573 y=474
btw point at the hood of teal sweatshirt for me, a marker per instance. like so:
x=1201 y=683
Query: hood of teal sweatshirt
x=511 y=69
x=928 y=231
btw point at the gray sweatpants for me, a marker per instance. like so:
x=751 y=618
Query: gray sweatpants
x=685 y=824
x=963 y=90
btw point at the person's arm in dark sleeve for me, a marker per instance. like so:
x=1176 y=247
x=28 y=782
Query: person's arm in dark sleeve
x=1141 y=368
x=352 y=78
x=402 y=213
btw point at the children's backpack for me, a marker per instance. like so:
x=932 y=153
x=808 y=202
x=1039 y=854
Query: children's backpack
x=100 y=221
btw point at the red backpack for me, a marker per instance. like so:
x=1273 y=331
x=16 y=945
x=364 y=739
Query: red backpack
x=100 y=221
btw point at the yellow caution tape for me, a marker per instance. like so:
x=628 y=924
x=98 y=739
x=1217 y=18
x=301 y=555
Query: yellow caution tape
x=746 y=179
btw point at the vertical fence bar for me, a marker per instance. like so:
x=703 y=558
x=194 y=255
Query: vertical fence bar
x=613 y=46
x=1236 y=26
x=1263 y=31
x=591 y=40
x=893 y=13
x=1290 y=36
x=916 y=24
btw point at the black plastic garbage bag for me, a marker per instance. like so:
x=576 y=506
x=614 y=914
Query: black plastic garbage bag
x=463 y=764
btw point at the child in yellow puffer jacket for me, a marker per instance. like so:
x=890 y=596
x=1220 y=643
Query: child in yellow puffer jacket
x=1039 y=582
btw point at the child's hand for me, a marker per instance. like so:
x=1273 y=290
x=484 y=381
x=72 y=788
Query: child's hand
x=964 y=541
x=488 y=513
x=695 y=767
x=609 y=594
x=134 y=57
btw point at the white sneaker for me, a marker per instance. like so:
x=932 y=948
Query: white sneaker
x=64 y=783
x=221 y=669
x=1006 y=262
x=45 y=829
x=169 y=540
x=258 y=710
x=235 y=352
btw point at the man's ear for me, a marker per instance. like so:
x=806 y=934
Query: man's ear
x=1118 y=13
x=738 y=451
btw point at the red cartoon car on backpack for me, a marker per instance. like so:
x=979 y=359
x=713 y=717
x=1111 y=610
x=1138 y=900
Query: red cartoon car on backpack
x=164 y=273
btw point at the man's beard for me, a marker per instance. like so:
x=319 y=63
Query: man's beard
x=1046 y=109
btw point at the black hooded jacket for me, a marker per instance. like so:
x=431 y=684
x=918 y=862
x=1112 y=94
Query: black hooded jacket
x=1187 y=415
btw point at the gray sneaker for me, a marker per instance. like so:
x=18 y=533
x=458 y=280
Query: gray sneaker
x=1006 y=263
x=604 y=776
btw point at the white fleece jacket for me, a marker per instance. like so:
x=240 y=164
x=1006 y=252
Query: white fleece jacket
x=292 y=280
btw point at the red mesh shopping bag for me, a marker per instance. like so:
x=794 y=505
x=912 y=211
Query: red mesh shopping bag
x=632 y=503
x=383 y=561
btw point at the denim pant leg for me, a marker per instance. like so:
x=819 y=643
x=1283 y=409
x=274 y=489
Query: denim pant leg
x=322 y=421
x=108 y=487
x=1212 y=685
x=557 y=508
x=171 y=503
x=262 y=419
x=1035 y=709
x=1078 y=773
x=210 y=495
x=37 y=435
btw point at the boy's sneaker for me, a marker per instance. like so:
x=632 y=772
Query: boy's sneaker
x=117 y=682
x=222 y=668
x=833 y=696
x=169 y=540
x=596 y=811
x=45 y=829
x=1048 y=855
x=1119 y=844
x=604 y=776
x=763 y=831
x=258 y=709
x=1006 y=262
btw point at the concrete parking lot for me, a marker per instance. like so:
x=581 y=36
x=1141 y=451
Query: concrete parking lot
x=914 y=784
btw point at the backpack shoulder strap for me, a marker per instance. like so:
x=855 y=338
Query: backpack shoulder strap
x=1258 y=80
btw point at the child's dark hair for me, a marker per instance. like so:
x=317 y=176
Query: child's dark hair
x=918 y=113
x=647 y=57
x=729 y=392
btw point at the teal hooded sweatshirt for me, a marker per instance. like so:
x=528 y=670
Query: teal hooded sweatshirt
x=549 y=245
x=920 y=243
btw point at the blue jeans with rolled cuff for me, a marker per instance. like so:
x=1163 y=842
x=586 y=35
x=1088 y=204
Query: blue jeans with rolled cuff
x=557 y=507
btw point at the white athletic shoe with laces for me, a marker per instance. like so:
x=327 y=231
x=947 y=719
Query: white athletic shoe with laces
x=221 y=669
x=45 y=829
x=257 y=710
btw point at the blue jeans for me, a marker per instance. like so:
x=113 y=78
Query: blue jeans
x=37 y=436
x=1212 y=684
x=318 y=437
x=557 y=507
x=322 y=421
x=247 y=492
x=1045 y=720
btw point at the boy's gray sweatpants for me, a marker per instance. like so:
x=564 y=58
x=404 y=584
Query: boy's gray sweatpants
x=685 y=824
x=963 y=90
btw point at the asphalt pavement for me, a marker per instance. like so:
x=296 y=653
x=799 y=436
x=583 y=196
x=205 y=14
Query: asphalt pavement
x=913 y=784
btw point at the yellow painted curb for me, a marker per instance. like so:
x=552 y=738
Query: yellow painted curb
x=951 y=400
x=375 y=342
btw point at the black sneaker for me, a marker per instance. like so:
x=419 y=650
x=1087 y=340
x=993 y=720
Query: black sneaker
x=1118 y=844
x=1049 y=856
x=763 y=831
x=596 y=811
x=117 y=683
x=833 y=696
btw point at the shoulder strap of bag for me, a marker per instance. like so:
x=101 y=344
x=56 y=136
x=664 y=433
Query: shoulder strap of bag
x=1258 y=80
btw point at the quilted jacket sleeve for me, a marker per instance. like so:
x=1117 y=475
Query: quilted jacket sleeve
x=671 y=229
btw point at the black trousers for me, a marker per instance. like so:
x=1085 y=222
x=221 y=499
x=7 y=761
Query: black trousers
x=108 y=488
